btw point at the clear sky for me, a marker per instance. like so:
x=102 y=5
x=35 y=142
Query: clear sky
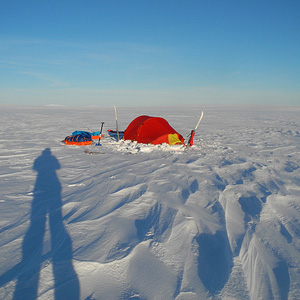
x=149 y=52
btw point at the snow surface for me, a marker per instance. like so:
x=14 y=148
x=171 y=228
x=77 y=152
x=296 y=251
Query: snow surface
x=218 y=221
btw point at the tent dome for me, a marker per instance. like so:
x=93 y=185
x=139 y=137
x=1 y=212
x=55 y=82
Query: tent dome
x=152 y=130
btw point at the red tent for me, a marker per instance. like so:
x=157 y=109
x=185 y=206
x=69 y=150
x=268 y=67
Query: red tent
x=152 y=130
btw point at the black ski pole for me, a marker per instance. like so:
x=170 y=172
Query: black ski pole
x=98 y=144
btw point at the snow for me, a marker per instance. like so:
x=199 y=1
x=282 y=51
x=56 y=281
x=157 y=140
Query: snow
x=220 y=220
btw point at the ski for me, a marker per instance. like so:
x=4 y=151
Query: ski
x=116 y=117
x=92 y=152
x=191 y=136
x=199 y=121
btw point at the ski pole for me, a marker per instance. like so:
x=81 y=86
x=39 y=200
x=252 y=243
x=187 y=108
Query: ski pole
x=100 y=135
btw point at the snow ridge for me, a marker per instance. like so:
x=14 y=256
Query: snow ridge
x=217 y=221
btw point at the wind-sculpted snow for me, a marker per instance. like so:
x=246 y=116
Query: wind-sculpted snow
x=220 y=220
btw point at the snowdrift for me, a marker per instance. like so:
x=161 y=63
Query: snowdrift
x=217 y=221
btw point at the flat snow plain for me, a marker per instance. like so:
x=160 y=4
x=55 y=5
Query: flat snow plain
x=220 y=220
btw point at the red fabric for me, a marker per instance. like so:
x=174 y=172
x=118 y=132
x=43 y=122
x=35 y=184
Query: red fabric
x=145 y=129
x=132 y=128
x=191 y=143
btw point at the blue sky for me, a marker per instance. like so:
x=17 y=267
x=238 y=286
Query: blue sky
x=135 y=52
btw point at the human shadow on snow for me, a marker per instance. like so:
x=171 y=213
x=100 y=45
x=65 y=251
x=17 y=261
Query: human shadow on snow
x=47 y=201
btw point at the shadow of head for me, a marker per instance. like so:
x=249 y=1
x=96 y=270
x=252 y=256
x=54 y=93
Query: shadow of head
x=46 y=162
